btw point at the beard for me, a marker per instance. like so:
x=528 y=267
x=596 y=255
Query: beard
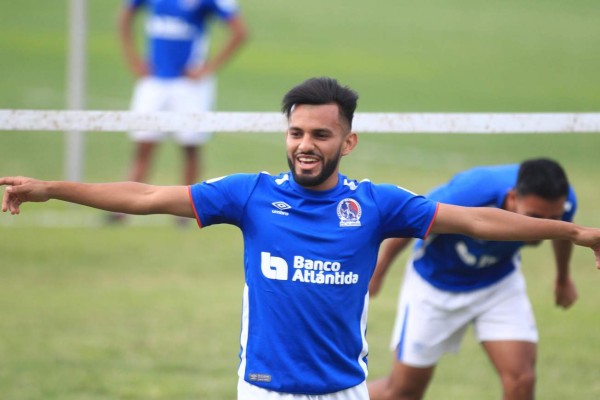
x=327 y=170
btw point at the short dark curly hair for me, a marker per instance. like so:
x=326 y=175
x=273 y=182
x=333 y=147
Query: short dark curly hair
x=542 y=177
x=318 y=91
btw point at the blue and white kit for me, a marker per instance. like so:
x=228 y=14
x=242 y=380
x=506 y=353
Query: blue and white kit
x=457 y=263
x=177 y=32
x=308 y=259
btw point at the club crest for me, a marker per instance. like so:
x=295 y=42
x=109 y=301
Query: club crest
x=349 y=212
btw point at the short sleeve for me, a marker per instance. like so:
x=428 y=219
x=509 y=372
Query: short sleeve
x=133 y=4
x=570 y=205
x=222 y=200
x=404 y=213
x=225 y=9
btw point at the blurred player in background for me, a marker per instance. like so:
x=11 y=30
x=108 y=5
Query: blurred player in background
x=453 y=281
x=311 y=238
x=177 y=74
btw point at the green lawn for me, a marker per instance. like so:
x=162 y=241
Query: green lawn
x=149 y=311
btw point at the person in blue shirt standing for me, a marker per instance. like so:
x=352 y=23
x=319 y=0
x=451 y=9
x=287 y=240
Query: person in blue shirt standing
x=311 y=237
x=454 y=281
x=177 y=73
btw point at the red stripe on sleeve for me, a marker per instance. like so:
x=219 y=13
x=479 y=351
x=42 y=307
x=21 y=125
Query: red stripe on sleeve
x=437 y=207
x=194 y=207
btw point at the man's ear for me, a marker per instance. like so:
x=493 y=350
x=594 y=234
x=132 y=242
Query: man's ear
x=350 y=142
x=510 y=203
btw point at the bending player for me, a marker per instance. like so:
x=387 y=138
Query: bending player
x=453 y=281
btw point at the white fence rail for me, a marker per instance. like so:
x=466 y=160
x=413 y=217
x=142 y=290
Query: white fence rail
x=476 y=123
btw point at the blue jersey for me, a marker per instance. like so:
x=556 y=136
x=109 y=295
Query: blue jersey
x=176 y=30
x=308 y=259
x=459 y=263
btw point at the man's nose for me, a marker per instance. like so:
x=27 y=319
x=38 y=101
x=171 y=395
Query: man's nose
x=306 y=143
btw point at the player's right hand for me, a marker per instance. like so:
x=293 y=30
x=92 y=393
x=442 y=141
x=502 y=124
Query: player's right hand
x=19 y=190
x=565 y=293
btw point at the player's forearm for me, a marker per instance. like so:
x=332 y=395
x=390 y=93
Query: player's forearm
x=124 y=23
x=498 y=224
x=128 y=47
x=495 y=224
x=389 y=251
x=384 y=261
x=238 y=35
x=125 y=197
x=562 y=255
x=391 y=248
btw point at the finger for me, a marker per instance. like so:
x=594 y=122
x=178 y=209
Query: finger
x=21 y=193
x=567 y=304
x=11 y=200
x=568 y=299
x=9 y=180
x=563 y=303
x=5 y=201
x=14 y=205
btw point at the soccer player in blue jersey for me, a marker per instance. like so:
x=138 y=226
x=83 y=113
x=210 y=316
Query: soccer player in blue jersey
x=453 y=281
x=177 y=73
x=311 y=238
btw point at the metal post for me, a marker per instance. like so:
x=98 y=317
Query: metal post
x=76 y=76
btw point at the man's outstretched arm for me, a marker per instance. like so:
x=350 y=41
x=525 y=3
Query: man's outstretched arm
x=124 y=197
x=489 y=223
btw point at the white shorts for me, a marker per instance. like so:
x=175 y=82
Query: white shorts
x=247 y=391
x=431 y=322
x=180 y=94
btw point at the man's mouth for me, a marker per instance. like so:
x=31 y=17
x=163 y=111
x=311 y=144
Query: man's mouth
x=307 y=161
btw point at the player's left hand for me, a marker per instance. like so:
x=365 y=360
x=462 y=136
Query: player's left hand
x=565 y=293
x=589 y=237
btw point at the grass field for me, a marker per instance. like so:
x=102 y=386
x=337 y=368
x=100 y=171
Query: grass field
x=149 y=311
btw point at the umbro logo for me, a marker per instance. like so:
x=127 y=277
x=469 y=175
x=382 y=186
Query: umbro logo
x=281 y=206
